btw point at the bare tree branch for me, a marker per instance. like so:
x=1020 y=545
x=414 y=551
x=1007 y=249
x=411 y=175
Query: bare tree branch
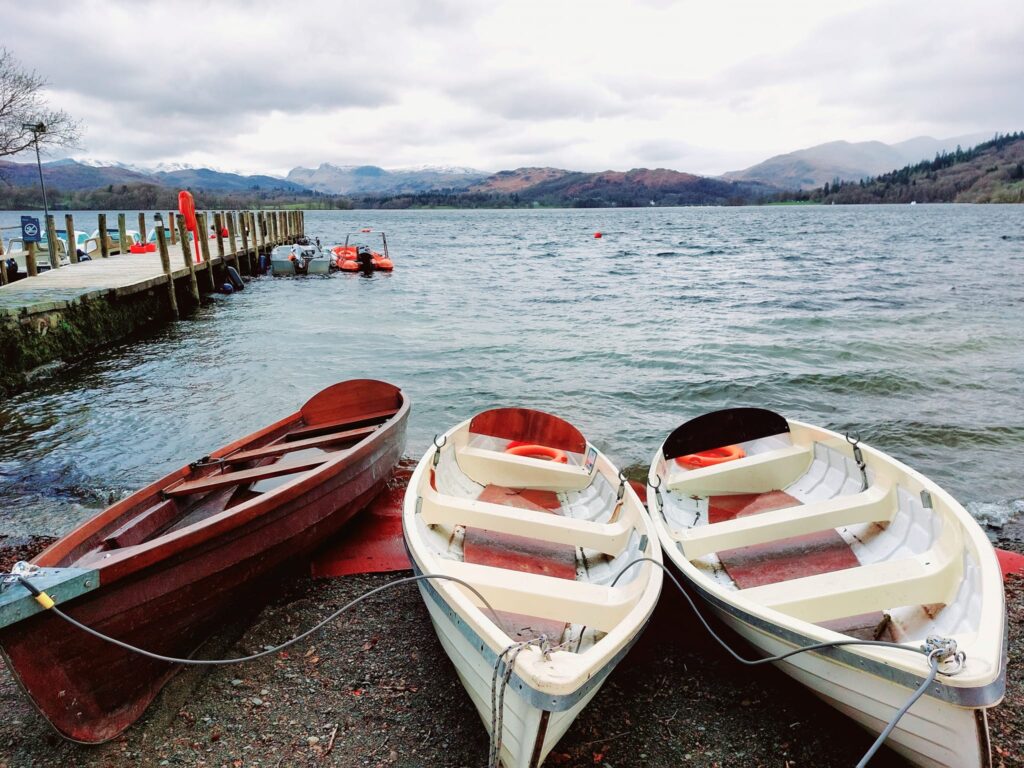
x=22 y=101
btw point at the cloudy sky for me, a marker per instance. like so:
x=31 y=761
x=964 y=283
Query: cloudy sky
x=704 y=87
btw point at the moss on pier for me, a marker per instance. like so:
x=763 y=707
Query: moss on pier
x=30 y=341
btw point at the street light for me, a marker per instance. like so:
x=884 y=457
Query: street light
x=36 y=129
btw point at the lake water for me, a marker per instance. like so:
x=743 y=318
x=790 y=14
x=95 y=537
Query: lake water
x=903 y=324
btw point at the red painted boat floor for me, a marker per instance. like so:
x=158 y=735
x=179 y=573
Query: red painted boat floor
x=792 y=558
x=781 y=560
x=372 y=541
x=1010 y=562
x=522 y=554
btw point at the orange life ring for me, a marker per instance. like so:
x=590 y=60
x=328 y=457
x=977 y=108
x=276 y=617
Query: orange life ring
x=519 y=448
x=712 y=457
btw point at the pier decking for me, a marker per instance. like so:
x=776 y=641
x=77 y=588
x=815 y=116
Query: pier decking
x=64 y=312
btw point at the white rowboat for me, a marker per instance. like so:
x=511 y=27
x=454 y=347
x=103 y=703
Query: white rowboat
x=801 y=536
x=542 y=540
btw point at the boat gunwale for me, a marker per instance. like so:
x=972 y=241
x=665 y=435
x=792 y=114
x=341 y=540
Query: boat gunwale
x=979 y=690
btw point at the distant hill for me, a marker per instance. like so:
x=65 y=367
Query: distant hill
x=559 y=188
x=71 y=175
x=219 y=181
x=990 y=172
x=517 y=180
x=850 y=161
x=362 y=180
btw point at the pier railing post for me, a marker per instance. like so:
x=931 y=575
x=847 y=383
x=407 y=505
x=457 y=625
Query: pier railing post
x=204 y=244
x=30 y=259
x=142 y=227
x=69 y=226
x=165 y=261
x=174 y=229
x=51 y=241
x=123 y=245
x=243 y=225
x=189 y=261
x=101 y=220
x=218 y=224
x=231 y=239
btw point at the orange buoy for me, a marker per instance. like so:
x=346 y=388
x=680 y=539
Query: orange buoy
x=712 y=457
x=366 y=229
x=517 y=448
x=598 y=235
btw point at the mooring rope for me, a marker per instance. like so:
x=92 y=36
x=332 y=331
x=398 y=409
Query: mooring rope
x=938 y=650
x=43 y=599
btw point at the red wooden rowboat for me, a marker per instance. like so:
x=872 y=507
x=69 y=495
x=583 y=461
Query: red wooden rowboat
x=161 y=568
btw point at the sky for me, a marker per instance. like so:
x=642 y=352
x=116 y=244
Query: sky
x=262 y=87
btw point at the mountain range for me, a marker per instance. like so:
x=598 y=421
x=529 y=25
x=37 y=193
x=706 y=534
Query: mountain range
x=802 y=169
x=849 y=161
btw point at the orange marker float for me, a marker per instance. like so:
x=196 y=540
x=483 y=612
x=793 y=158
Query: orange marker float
x=712 y=457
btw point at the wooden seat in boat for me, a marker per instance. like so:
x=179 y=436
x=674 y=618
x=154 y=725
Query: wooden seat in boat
x=923 y=580
x=226 y=479
x=609 y=538
x=876 y=504
x=546 y=597
x=350 y=422
x=756 y=473
x=276 y=449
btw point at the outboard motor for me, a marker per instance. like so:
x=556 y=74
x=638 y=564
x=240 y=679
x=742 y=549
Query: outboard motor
x=365 y=258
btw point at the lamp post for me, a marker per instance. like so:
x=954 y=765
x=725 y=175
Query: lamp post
x=36 y=129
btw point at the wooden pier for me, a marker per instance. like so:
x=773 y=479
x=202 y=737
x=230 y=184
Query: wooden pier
x=62 y=313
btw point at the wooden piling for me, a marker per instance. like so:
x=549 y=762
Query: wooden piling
x=173 y=228
x=30 y=259
x=104 y=249
x=203 y=236
x=218 y=224
x=165 y=261
x=123 y=246
x=243 y=225
x=231 y=239
x=189 y=261
x=3 y=269
x=69 y=226
x=52 y=242
x=142 y=227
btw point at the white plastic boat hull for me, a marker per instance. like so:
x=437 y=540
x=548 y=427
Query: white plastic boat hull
x=282 y=267
x=318 y=267
x=922 y=526
x=933 y=733
x=529 y=732
x=597 y=529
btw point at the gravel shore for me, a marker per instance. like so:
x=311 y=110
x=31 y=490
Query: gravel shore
x=376 y=689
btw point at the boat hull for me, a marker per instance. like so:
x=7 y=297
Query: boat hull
x=91 y=690
x=934 y=733
x=530 y=728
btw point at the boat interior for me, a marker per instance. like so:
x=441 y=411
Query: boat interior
x=330 y=425
x=518 y=504
x=792 y=521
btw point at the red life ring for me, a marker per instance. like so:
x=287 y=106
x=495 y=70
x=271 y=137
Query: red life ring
x=519 y=448
x=712 y=457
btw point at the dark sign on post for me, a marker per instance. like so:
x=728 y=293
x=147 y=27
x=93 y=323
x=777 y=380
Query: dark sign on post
x=30 y=230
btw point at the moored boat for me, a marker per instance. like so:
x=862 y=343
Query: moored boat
x=308 y=259
x=519 y=505
x=357 y=254
x=161 y=569
x=795 y=535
